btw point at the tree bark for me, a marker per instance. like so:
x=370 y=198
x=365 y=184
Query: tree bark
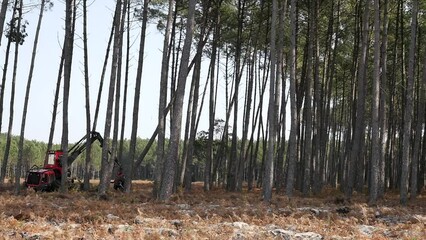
x=116 y=129
x=375 y=141
x=415 y=165
x=383 y=103
x=69 y=44
x=193 y=126
x=126 y=84
x=3 y=85
x=268 y=176
x=26 y=100
x=356 y=153
x=106 y=162
x=408 y=109
x=233 y=169
x=101 y=83
x=128 y=166
x=163 y=100
x=292 y=145
x=18 y=11
x=3 y=16
x=55 y=103
x=169 y=171
x=86 y=183
x=212 y=100
x=281 y=77
x=307 y=155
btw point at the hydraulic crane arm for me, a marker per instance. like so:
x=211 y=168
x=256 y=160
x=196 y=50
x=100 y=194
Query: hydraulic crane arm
x=81 y=145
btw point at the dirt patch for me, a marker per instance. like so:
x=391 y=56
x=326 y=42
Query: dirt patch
x=199 y=215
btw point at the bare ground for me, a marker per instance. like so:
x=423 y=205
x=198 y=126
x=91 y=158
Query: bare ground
x=198 y=215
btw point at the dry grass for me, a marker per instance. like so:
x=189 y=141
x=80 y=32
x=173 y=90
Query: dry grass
x=198 y=215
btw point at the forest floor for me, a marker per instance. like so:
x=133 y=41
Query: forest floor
x=199 y=215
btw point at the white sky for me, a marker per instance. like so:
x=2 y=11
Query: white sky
x=100 y=13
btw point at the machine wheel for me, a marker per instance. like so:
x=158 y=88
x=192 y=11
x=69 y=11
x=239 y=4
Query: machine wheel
x=56 y=185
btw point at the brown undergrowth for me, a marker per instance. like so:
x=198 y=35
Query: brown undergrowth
x=217 y=214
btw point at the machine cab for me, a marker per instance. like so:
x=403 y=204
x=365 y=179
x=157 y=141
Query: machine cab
x=54 y=161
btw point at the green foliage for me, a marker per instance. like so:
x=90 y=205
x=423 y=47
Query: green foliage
x=33 y=152
x=17 y=35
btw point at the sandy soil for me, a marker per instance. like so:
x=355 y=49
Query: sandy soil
x=199 y=215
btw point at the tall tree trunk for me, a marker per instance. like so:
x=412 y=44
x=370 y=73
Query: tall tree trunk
x=212 y=100
x=220 y=170
x=349 y=117
x=169 y=171
x=69 y=45
x=193 y=125
x=3 y=80
x=246 y=126
x=248 y=99
x=117 y=126
x=415 y=165
x=128 y=165
x=307 y=155
x=383 y=103
x=281 y=77
x=375 y=141
x=321 y=115
x=391 y=159
x=176 y=55
x=422 y=165
x=116 y=121
x=416 y=156
x=268 y=176
x=163 y=100
x=106 y=162
x=292 y=145
x=16 y=29
x=3 y=86
x=258 y=124
x=194 y=116
x=3 y=16
x=126 y=84
x=233 y=170
x=114 y=144
x=356 y=154
x=104 y=69
x=400 y=97
x=186 y=141
x=55 y=103
x=26 y=100
x=86 y=184
x=191 y=115
x=408 y=109
x=243 y=141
